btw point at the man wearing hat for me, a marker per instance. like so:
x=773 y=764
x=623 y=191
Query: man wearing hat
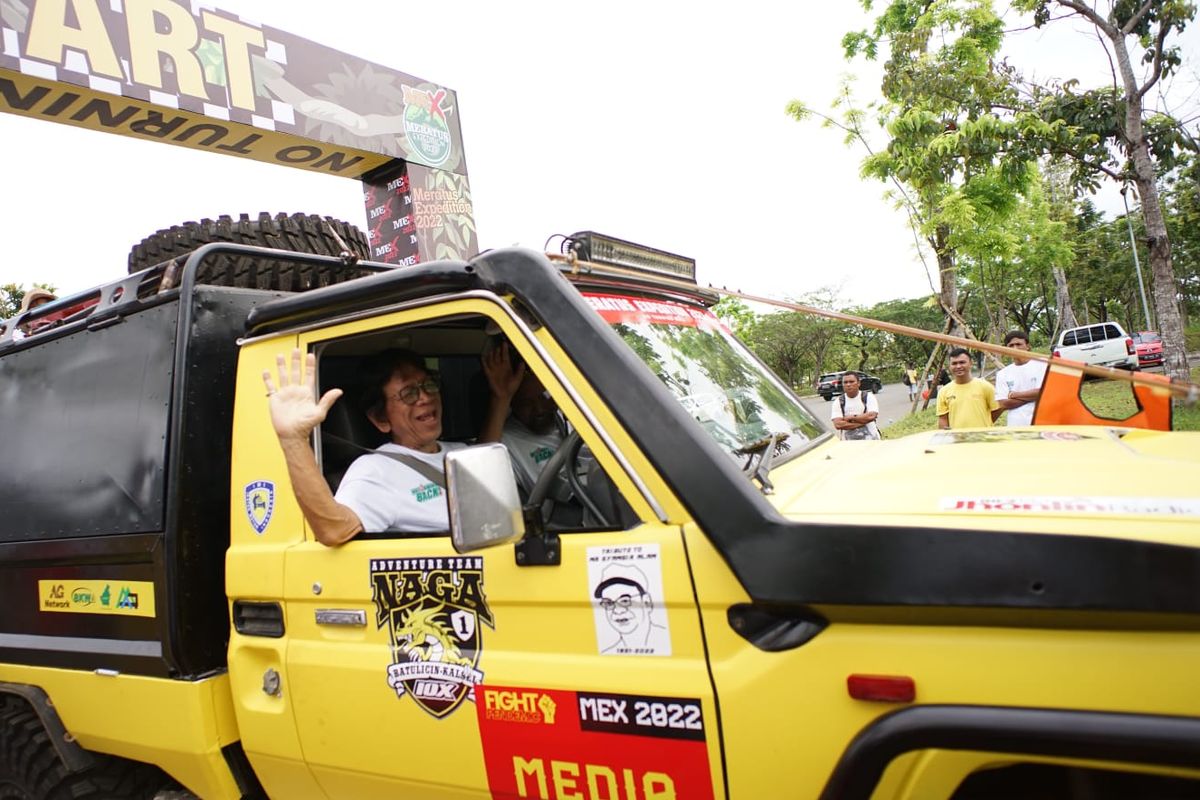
x=35 y=297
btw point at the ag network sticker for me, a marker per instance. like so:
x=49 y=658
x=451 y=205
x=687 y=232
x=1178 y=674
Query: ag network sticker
x=260 y=504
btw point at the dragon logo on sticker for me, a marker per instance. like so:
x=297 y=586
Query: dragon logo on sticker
x=433 y=609
x=260 y=504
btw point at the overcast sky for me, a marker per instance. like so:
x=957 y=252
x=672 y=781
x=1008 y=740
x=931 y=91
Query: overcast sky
x=660 y=122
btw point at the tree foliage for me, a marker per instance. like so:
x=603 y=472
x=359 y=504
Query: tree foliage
x=1103 y=122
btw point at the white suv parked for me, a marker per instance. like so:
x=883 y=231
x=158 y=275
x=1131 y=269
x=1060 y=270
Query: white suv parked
x=1104 y=344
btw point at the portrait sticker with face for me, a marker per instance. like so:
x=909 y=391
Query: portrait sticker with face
x=626 y=587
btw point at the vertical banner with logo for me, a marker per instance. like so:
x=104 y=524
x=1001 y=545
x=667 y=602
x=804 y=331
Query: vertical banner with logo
x=391 y=224
x=443 y=213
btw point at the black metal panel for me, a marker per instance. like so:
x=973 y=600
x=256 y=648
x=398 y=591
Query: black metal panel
x=394 y=286
x=120 y=466
x=198 y=509
x=83 y=427
x=74 y=640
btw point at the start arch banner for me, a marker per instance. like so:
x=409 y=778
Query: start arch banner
x=199 y=77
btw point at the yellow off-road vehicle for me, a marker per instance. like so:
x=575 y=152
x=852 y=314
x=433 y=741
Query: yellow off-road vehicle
x=744 y=607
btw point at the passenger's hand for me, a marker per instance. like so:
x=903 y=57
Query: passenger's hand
x=502 y=378
x=295 y=411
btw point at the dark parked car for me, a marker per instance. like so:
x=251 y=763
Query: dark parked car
x=829 y=385
x=1149 y=348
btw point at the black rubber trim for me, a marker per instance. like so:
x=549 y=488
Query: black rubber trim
x=386 y=288
x=778 y=561
x=243 y=773
x=1135 y=738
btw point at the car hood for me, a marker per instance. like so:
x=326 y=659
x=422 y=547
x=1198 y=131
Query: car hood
x=1091 y=481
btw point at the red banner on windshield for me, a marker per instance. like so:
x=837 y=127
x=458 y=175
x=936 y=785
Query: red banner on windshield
x=641 y=310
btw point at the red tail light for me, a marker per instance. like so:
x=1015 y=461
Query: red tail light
x=1129 y=348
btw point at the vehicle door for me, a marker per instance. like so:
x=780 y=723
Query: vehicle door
x=417 y=671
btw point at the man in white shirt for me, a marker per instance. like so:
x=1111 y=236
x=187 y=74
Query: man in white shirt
x=378 y=492
x=1019 y=384
x=531 y=431
x=853 y=414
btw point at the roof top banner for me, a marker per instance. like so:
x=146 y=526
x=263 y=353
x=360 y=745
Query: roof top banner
x=204 y=78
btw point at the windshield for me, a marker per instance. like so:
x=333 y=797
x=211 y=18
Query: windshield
x=1146 y=338
x=737 y=400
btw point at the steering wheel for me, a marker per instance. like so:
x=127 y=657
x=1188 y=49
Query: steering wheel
x=566 y=455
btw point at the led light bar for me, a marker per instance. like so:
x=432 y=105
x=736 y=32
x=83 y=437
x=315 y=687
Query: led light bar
x=600 y=249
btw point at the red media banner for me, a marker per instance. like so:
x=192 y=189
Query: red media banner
x=640 y=310
x=552 y=745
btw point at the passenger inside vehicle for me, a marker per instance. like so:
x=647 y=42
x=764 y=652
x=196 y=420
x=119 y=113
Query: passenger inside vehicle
x=576 y=496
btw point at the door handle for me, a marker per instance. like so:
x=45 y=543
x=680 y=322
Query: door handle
x=353 y=617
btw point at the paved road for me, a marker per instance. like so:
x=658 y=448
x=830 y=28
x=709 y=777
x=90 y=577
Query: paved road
x=893 y=404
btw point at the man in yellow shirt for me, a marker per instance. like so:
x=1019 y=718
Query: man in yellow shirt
x=966 y=402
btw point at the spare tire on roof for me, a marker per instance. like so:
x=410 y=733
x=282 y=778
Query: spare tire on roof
x=301 y=233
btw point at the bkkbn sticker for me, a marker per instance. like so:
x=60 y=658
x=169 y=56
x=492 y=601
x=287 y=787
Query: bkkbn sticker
x=433 y=609
x=125 y=598
x=626 y=587
x=260 y=504
x=551 y=744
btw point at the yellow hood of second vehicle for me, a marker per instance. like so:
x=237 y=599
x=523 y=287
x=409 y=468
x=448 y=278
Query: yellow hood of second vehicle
x=1092 y=481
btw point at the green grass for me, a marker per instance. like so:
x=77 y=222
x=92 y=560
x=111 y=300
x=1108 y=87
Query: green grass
x=914 y=423
x=1113 y=399
x=1191 y=337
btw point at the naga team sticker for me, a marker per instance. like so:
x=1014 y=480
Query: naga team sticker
x=260 y=504
x=433 y=609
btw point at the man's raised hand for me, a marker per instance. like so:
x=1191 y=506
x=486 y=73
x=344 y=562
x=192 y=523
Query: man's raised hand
x=295 y=411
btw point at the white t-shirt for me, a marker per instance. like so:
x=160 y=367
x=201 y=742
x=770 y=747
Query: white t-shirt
x=529 y=452
x=388 y=495
x=1020 y=378
x=854 y=406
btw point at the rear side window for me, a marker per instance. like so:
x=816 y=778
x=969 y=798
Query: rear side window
x=1070 y=338
x=1112 y=332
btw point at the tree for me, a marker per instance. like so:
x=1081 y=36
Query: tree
x=1118 y=114
x=795 y=346
x=955 y=153
x=1181 y=197
x=734 y=313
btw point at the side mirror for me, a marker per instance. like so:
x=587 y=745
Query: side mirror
x=485 y=509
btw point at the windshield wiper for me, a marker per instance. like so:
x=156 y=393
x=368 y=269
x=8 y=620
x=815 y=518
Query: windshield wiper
x=760 y=455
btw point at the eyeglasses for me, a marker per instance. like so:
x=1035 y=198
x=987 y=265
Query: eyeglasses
x=624 y=601
x=411 y=393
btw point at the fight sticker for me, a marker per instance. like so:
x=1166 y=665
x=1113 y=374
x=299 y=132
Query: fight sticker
x=433 y=609
x=636 y=310
x=123 y=598
x=551 y=744
x=626 y=589
x=1105 y=506
x=260 y=504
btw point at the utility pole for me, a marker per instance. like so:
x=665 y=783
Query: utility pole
x=1137 y=264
